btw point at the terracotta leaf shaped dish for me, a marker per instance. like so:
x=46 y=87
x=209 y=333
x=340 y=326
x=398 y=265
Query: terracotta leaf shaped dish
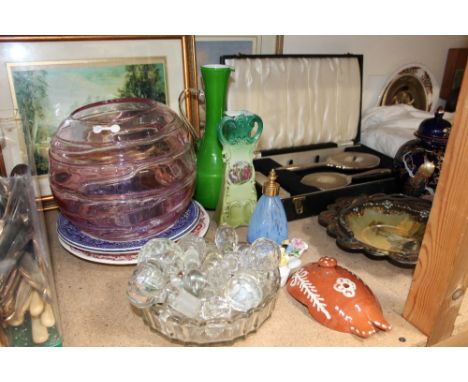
x=337 y=298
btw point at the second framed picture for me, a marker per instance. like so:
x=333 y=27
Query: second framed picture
x=209 y=49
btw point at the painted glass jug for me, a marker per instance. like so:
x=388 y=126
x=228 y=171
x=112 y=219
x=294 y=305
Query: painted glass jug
x=238 y=133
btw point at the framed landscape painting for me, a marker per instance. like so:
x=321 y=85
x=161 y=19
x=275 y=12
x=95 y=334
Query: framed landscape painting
x=45 y=93
x=47 y=80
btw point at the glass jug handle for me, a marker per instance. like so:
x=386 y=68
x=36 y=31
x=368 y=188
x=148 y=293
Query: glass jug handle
x=189 y=93
x=228 y=120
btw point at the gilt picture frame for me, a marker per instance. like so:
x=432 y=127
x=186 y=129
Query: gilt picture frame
x=44 y=78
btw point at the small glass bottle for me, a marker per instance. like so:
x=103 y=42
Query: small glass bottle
x=269 y=217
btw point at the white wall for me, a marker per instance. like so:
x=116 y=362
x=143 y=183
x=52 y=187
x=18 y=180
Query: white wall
x=383 y=55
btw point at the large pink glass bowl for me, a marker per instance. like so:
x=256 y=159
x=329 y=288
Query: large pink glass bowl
x=122 y=169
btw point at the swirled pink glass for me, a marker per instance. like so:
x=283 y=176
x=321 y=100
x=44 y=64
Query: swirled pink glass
x=122 y=169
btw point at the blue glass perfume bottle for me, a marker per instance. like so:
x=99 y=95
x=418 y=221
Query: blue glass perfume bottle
x=269 y=217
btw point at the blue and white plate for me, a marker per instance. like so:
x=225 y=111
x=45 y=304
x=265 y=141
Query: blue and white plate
x=73 y=236
x=131 y=257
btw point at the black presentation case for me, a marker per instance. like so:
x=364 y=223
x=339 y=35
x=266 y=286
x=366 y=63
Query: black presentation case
x=277 y=80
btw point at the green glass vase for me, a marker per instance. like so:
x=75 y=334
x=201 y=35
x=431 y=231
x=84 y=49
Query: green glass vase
x=210 y=165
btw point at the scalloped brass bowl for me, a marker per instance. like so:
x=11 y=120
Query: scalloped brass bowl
x=397 y=231
x=390 y=226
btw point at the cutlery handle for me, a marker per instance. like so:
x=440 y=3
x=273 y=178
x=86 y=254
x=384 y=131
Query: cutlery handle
x=371 y=173
x=301 y=167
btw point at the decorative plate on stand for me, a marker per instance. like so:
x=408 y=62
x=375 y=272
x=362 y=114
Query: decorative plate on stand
x=381 y=226
x=127 y=252
x=412 y=85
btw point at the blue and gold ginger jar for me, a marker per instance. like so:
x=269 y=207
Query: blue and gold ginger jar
x=418 y=162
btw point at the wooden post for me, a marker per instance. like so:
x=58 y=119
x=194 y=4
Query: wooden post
x=439 y=281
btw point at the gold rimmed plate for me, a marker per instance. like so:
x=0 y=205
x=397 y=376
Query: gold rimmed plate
x=411 y=85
